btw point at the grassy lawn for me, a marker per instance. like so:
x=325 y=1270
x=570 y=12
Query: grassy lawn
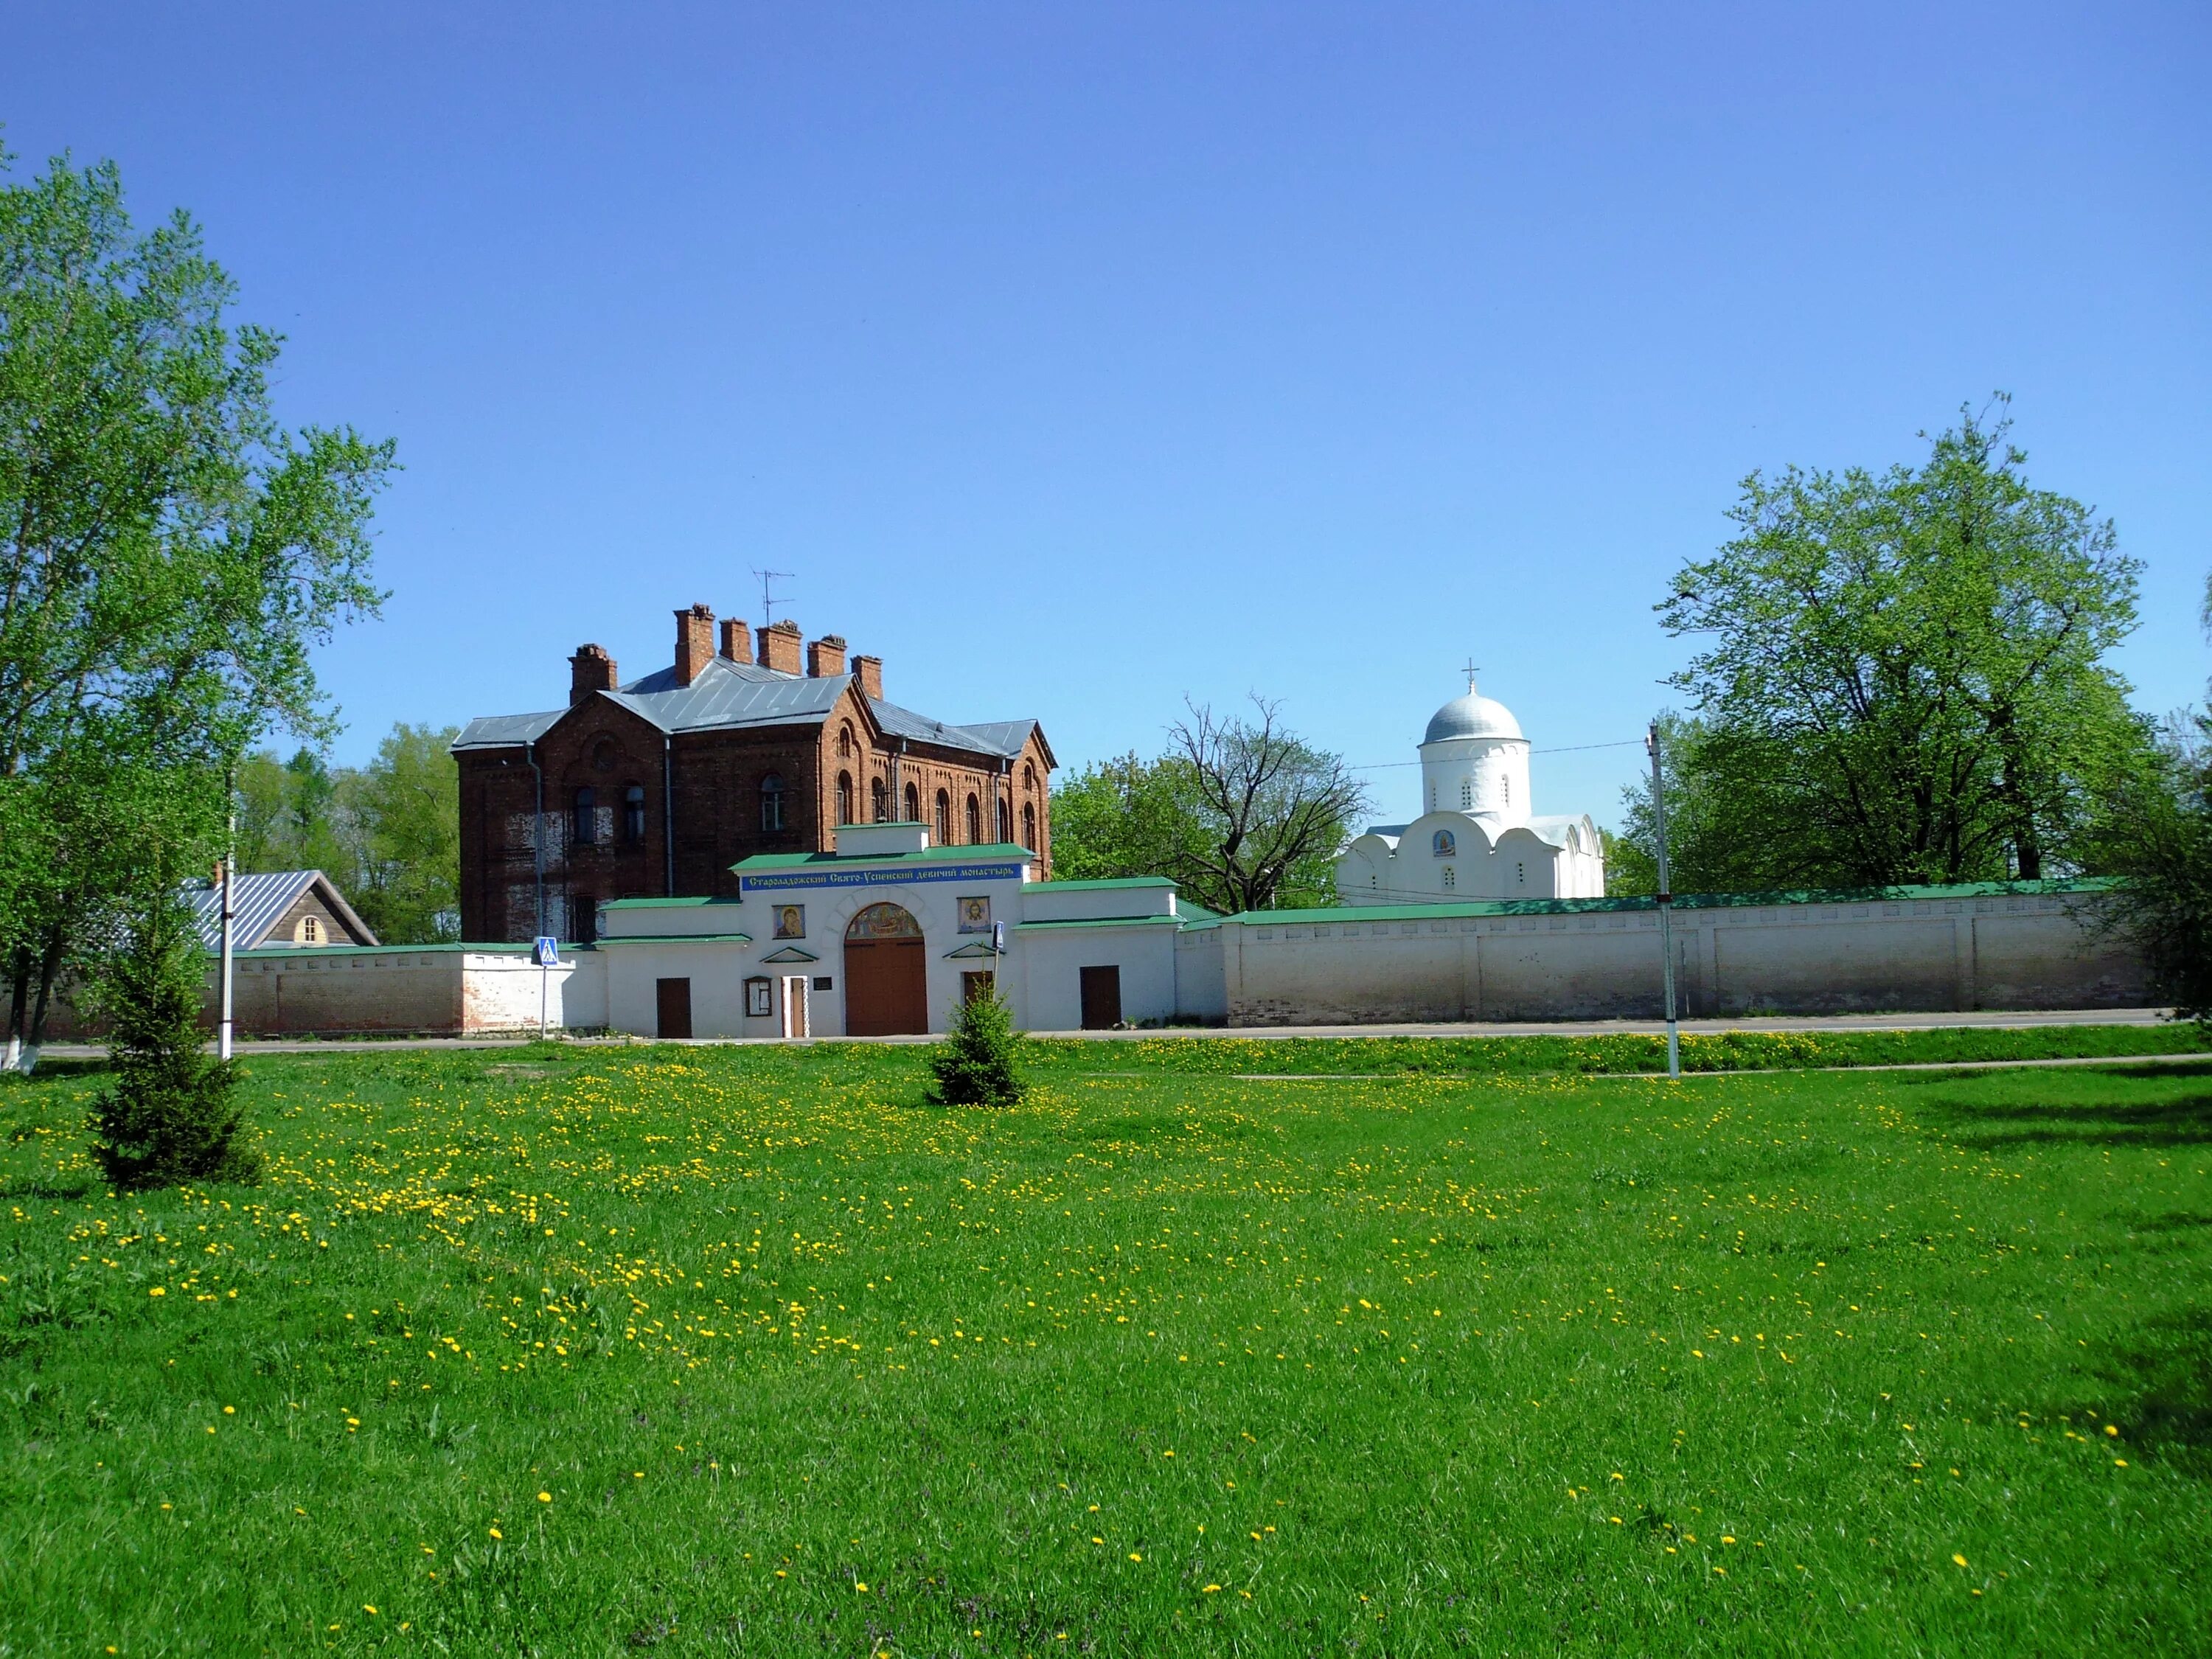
x=573 y=1351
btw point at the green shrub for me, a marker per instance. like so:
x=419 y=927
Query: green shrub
x=169 y=1118
x=979 y=1062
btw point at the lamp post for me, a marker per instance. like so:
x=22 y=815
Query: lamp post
x=1666 y=901
x=224 y=1026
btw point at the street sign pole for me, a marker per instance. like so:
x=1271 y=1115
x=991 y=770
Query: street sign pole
x=547 y=952
x=1666 y=902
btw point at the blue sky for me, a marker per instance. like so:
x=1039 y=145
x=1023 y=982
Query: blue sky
x=1075 y=359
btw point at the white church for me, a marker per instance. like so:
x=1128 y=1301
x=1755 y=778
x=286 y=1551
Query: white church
x=1481 y=837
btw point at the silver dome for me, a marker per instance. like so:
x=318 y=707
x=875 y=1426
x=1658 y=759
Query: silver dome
x=1472 y=716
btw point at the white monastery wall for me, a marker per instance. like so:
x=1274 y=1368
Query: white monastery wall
x=1996 y=951
x=1050 y=986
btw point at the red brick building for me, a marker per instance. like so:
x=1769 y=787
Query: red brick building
x=760 y=742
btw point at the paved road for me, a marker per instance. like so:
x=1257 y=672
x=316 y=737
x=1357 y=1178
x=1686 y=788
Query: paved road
x=1977 y=1021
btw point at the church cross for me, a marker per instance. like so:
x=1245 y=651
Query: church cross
x=1470 y=676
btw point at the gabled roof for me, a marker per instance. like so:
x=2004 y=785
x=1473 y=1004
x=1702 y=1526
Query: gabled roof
x=259 y=902
x=730 y=695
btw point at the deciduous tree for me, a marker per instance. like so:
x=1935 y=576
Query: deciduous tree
x=169 y=552
x=1902 y=677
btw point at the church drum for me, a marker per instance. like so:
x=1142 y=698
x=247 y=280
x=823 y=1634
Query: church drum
x=886 y=974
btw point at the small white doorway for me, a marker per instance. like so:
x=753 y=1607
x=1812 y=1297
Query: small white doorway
x=794 y=1006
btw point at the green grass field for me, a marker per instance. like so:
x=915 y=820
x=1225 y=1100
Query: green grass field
x=595 y=1350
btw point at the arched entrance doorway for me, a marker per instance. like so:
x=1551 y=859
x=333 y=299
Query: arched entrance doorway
x=886 y=978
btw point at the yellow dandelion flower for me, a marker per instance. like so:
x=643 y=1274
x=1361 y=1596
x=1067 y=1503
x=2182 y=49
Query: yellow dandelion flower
x=545 y=1497
x=1961 y=1559
x=1134 y=1556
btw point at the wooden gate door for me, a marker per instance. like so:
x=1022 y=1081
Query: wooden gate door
x=886 y=974
x=1101 y=998
x=671 y=1000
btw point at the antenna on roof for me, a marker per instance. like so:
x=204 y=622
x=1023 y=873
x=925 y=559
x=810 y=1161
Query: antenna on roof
x=1470 y=677
x=768 y=597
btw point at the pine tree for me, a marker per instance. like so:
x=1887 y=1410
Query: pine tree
x=170 y=1117
x=979 y=1062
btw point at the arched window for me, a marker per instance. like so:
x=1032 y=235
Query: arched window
x=1028 y=775
x=944 y=818
x=844 y=798
x=1465 y=793
x=586 y=826
x=1006 y=820
x=634 y=814
x=771 y=793
x=878 y=801
x=1029 y=826
x=974 y=821
x=913 y=804
x=1444 y=844
x=844 y=743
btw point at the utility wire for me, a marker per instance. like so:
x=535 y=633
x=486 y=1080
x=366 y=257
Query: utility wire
x=1569 y=749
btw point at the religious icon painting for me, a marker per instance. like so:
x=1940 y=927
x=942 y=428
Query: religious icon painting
x=975 y=914
x=1445 y=844
x=790 y=921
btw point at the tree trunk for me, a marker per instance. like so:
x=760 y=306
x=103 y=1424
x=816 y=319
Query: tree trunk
x=50 y=964
x=19 y=1006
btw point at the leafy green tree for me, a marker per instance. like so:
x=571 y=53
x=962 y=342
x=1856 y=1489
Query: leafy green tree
x=169 y=552
x=170 y=1117
x=1902 y=677
x=401 y=823
x=1241 y=813
x=1124 y=816
x=2159 y=839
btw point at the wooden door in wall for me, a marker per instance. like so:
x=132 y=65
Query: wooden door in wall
x=886 y=974
x=672 y=999
x=1101 y=998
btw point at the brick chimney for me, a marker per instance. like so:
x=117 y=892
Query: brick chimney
x=825 y=657
x=737 y=641
x=590 y=670
x=779 y=646
x=695 y=642
x=869 y=672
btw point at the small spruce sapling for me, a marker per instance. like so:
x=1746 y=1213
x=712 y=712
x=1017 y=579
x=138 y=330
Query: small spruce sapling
x=170 y=1117
x=979 y=1062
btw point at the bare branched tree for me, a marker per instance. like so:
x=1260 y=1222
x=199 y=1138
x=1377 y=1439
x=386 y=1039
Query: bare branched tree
x=1273 y=808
